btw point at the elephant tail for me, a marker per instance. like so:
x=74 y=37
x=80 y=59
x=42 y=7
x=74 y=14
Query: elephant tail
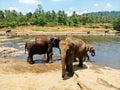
x=25 y=47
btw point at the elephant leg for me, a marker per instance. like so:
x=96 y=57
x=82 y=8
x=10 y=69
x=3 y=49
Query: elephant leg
x=80 y=62
x=63 y=67
x=44 y=57
x=70 y=63
x=88 y=58
x=75 y=60
x=85 y=57
x=30 y=59
x=67 y=65
x=49 y=57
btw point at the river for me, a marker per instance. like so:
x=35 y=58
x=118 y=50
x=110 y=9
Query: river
x=107 y=49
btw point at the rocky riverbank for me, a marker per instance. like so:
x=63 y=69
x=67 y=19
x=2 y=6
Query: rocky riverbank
x=19 y=75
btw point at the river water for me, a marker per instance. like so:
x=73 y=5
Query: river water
x=107 y=49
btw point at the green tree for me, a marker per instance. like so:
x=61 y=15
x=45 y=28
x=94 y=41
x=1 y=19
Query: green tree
x=116 y=24
x=62 y=18
x=1 y=15
x=74 y=18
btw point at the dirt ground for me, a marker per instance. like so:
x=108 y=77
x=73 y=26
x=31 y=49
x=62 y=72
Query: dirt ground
x=19 y=75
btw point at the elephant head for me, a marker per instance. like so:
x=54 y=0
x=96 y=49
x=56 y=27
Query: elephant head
x=91 y=49
x=54 y=42
x=66 y=48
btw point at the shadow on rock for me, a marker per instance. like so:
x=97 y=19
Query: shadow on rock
x=37 y=61
x=76 y=67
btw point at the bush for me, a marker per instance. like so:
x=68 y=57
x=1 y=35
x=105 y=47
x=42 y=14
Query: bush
x=116 y=24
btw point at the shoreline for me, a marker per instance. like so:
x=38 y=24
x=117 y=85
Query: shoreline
x=58 y=30
x=33 y=33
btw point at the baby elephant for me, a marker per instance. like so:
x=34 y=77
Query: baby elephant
x=88 y=48
x=67 y=56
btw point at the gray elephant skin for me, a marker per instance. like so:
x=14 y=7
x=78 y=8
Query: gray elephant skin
x=41 y=45
x=70 y=49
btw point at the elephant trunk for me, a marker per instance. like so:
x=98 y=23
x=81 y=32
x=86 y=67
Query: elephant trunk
x=93 y=54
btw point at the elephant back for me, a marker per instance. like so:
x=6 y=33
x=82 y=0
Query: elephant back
x=76 y=41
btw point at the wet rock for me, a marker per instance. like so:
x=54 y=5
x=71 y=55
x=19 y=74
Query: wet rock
x=9 y=52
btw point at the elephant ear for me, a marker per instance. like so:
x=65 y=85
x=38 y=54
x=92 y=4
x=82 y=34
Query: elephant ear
x=87 y=48
x=72 y=48
x=92 y=49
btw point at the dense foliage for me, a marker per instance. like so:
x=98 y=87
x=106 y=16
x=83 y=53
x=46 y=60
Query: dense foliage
x=51 y=18
x=116 y=24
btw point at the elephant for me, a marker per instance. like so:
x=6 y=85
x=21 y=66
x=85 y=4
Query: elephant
x=81 y=49
x=91 y=49
x=66 y=53
x=8 y=31
x=40 y=45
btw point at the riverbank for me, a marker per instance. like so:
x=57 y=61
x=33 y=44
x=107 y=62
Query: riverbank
x=19 y=75
x=58 y=30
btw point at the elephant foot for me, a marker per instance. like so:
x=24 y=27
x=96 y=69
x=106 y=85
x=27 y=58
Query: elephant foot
x=50 y=61
x=80 y=65
x=31 y=62
x=28 y=60
x=70 y=74
x=63 y=76
x=75 y=60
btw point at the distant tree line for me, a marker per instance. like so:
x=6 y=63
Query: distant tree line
x=60 y=18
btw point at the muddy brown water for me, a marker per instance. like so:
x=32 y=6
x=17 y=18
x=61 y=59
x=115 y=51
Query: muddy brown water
x=107 y=49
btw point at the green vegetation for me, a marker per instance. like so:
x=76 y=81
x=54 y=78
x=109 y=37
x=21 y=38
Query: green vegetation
x=116 y=24
x=45 y=29
x=51 y=18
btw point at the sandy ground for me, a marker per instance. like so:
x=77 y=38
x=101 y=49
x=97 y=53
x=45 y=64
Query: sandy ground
x=35 y=30
x=19 y=75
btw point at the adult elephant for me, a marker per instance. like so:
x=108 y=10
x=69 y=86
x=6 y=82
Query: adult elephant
x=67 y=55
x=81 y=49
x=41 y=45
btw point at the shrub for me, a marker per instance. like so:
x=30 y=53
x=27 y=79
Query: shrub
x=116 y=24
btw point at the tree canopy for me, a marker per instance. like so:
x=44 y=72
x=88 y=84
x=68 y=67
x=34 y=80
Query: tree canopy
x=52 y=18
x=116 y=24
